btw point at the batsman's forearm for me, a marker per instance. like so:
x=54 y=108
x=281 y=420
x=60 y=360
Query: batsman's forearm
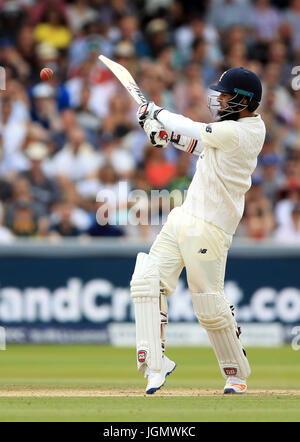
x=179 y=124
x=187 y=144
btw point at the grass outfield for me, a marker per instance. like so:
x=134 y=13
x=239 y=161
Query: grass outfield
x=100 y=383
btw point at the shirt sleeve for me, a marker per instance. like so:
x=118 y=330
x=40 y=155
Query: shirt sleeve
x=180 y=124
x=221 y=135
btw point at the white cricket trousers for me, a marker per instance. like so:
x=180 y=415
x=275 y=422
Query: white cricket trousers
x=200 y=247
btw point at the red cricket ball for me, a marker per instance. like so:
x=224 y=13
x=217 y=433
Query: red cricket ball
x=46 y=74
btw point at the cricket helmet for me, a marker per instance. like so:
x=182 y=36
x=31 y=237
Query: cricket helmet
x=241 y=83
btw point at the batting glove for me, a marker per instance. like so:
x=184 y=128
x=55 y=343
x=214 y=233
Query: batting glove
x=156 y=133
x=147 y=110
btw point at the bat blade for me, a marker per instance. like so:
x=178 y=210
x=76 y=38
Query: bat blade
x=124 y=76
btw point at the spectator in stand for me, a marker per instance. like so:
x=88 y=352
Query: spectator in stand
x=45 y=190
x=5 y=190
x=118 y=120
x=237 y=55
x=114 y=154
x=273 y=179
x=199 y=56
x=168 y=62
x=157 y=36
x=6 y=236
x=153 y=84
x=291 y=25
x=26 y=45
x=11 y=17
x=128 y=27
x=96 y=32
x=198 y=28
x=91 y=73
x=290 y=233
x=159 y=171
x=228 y=13
x=44 y=108
x=234 y=34
x=108 y=197
x=290 y=197
x=18 y=95
x=76 y=161
x=190 y=90
x=291 y=140
x=80 y=13
x=90 y=68
x=38 y=11
x=278 y=53
x=13 y=132
x=183 y=179
x=22 y=220
x=114 y=9
x=280 y=101
x=69 y=121
x=53 y=29
x=266 y=26
x=64 y=226
x=22 y=213
x=86 y=118
x=292 y=167
x=258 y=221
x=99 y=229
x=107 y=189
x=81 y=216
x=11 y=58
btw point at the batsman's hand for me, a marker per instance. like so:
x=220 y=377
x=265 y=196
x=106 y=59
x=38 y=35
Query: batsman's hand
x=156 y=133
x=147 y=110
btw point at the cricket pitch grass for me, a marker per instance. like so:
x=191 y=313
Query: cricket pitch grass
x=78 y=383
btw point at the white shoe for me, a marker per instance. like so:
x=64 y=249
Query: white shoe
x=157 y=380
x=235 y=385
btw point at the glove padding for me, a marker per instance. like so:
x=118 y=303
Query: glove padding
x=147 y=110
x=156 y=133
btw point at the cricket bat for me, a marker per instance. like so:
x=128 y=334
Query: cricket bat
x=125 y=78
x=128 y=82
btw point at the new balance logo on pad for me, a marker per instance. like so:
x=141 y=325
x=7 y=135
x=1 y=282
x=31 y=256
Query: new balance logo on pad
x=202 y=251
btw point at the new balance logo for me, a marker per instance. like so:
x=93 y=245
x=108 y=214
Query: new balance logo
x=202 y=251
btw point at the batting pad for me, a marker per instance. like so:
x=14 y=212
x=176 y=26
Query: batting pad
x=214 y=314
x=163 y=318
x=145 y=292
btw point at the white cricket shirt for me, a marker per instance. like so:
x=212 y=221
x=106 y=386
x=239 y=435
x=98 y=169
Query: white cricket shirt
x=224 y=168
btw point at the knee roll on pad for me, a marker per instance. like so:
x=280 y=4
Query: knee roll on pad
x=145 y=293
x=214 y=314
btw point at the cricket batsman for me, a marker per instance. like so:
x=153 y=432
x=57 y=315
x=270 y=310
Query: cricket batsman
x=198 y=234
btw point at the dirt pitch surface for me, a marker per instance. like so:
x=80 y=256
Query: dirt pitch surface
x=179 y=392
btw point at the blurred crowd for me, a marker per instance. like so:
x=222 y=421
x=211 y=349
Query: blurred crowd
x=63 y=141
